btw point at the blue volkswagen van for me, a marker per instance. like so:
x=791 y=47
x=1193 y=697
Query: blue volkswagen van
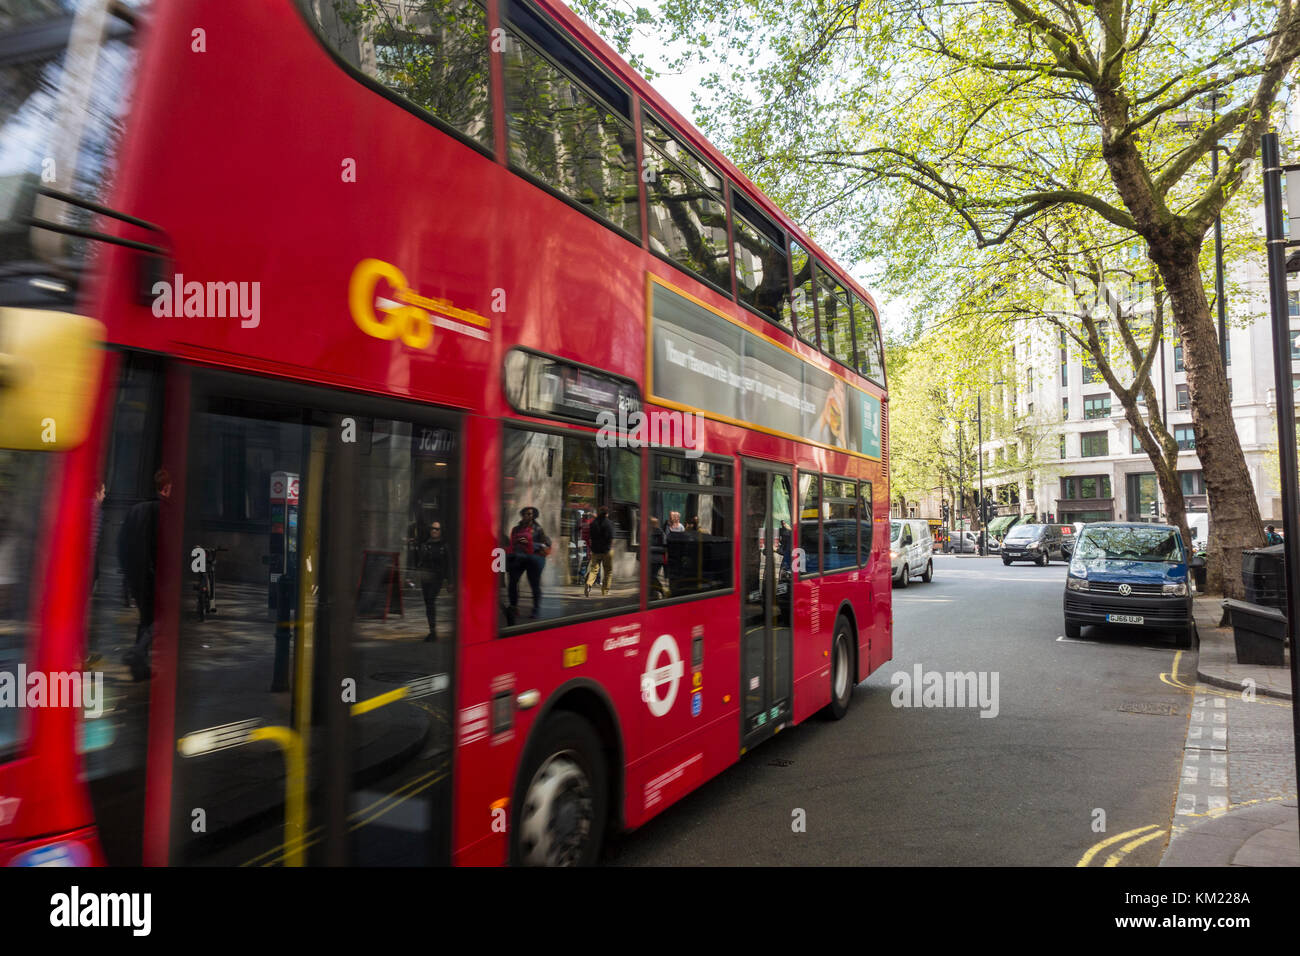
x=1130 y=574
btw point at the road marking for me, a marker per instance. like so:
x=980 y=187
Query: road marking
x=1127 y=848
x=1098 y=847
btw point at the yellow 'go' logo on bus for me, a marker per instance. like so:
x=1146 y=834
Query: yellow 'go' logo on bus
x=407 y=315
x=408 y=322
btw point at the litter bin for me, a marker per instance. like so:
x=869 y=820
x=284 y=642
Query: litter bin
x=1263 y=572
x=1196 y=565
x=1259 y=633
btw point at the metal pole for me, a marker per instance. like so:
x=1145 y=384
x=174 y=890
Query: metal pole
x=979 y=423
x=1286 y=437
x=961 y=482
x=1220 y=301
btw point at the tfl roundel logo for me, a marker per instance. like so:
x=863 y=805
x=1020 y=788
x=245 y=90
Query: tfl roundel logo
x=659 y=676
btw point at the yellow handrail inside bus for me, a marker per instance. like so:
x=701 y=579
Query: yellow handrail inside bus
x=49 y=370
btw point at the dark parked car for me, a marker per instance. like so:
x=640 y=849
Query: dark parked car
x=1131 y=574
x=1038 y=543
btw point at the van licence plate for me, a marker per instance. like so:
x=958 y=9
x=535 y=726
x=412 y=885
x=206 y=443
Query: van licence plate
x=1123 y=619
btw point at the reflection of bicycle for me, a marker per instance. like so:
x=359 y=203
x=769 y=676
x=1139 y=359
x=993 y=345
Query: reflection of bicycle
x=206 y=586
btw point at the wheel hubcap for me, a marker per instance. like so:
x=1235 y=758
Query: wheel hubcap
x=841 y=669
x=555 y=820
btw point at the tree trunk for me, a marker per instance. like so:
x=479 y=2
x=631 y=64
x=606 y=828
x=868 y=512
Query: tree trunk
x=1171 y=490
x=1234 y=511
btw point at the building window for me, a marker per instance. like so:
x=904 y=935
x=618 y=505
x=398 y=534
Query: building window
x=1065 y=370
x=1065 y=409
x=1178 y=355
x=1097 y=406
x=1095 y=444
x=1185 y=437
x=1090 y=374
x=1062 y=446
x=1295 y=351
x=1183 y=397
x=1193 y=482
x=1143 y=492
x=1029 y=490
x=1030 y=410
x=1293 y=304
x=1136 y=443
x=1229 y=389
x=1227 y=351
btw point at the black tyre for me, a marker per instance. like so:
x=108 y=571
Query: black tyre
x=1187 y=637
x=904 y=579
x=928 y=574
x=841 y=671
x=1043 y=560
x=1006 y=561
x=1073 y=629
x=561 y=797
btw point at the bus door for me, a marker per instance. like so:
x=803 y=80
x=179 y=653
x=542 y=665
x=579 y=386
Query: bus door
x=306 y=624
x=766 y=601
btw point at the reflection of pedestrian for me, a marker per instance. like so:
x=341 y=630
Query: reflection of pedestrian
x=434 y=561
x=784 y=540
x=658 y=556
x=96 y=522
x=1271 y=536
x=676 y=540
x=529 y=546
x=602 y=558
x=138 y=546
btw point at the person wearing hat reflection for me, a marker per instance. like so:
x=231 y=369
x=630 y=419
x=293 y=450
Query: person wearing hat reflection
x=529 y=547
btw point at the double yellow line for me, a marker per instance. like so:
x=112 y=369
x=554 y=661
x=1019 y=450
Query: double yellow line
x=1139 y=836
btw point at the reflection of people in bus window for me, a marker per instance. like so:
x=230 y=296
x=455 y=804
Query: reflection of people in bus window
x=529 y=547
x=658 y=557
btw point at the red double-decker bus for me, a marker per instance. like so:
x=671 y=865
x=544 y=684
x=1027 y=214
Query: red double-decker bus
x=424 y=448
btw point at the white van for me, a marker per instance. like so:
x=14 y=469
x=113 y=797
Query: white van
x=911 y=550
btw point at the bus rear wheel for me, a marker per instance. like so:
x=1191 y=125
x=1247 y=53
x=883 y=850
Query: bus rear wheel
x=841 y=670
x=563 y=796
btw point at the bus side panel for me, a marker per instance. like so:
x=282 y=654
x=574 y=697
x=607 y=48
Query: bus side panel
x=696 y=716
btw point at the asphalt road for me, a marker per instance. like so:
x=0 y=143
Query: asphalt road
x=1074 y=734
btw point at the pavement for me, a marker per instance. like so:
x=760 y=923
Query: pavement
x=1236 y=803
